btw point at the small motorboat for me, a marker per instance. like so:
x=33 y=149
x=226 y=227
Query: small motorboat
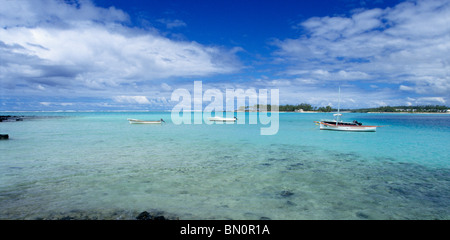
x=221 y=119
x=137 y=121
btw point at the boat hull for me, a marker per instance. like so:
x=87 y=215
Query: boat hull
x=348 y=128
x=219 y=119
x=143 y=122
x=135 y=121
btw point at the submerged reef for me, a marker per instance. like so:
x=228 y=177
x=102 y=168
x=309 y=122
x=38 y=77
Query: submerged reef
x=107 y=215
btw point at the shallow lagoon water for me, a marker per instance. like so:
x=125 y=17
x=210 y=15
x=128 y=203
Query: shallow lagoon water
x=97 y=163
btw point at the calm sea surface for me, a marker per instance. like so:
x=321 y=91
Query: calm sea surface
x=98 y=165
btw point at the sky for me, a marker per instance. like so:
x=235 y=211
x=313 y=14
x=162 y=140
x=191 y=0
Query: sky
x=132 y=55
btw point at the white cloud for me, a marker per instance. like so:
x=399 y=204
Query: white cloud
x=45 y=103
x=34 y=13
x=426 y=101
x=132 y=99
x=166 y=87
x=81 y=46
x=408 y=44
x=64 y=104
x=406 y=88
x=319 y=93
x=431 y=100
x=172 y=23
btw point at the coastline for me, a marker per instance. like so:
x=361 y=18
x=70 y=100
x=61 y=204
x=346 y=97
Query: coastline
x=12 y=118
x=411 y=112
x=352 y=112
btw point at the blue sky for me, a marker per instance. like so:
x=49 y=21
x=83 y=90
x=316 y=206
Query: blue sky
x=131 y=55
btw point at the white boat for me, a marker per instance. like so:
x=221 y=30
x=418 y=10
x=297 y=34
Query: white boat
x=221 y=119
x=137 y=121
x=338 y=125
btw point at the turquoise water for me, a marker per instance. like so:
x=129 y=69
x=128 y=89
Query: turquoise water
x=58 y=164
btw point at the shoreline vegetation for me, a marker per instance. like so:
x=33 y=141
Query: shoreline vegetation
x=307 y=108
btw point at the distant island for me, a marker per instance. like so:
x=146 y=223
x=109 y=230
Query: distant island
x=305 y=107
x=407 y=109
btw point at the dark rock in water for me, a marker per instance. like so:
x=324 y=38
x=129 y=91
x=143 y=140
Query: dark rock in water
x=398 y=190
x=289 y=203
x=10 y=118
x=144 y=216
x=4 y=136
x=265 y=218
x=286 y=193
x=295 y=166
x=159 y=218
x=67 y=218
x=362 y=215
x=147 y=216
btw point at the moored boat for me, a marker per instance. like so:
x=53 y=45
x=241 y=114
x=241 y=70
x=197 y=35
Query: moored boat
x=345 y=126
x=338 y=125
x=137 y=121
x=221 y=119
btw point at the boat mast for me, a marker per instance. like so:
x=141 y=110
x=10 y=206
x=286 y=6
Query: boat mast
x=338 y=115
x=339 y=103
